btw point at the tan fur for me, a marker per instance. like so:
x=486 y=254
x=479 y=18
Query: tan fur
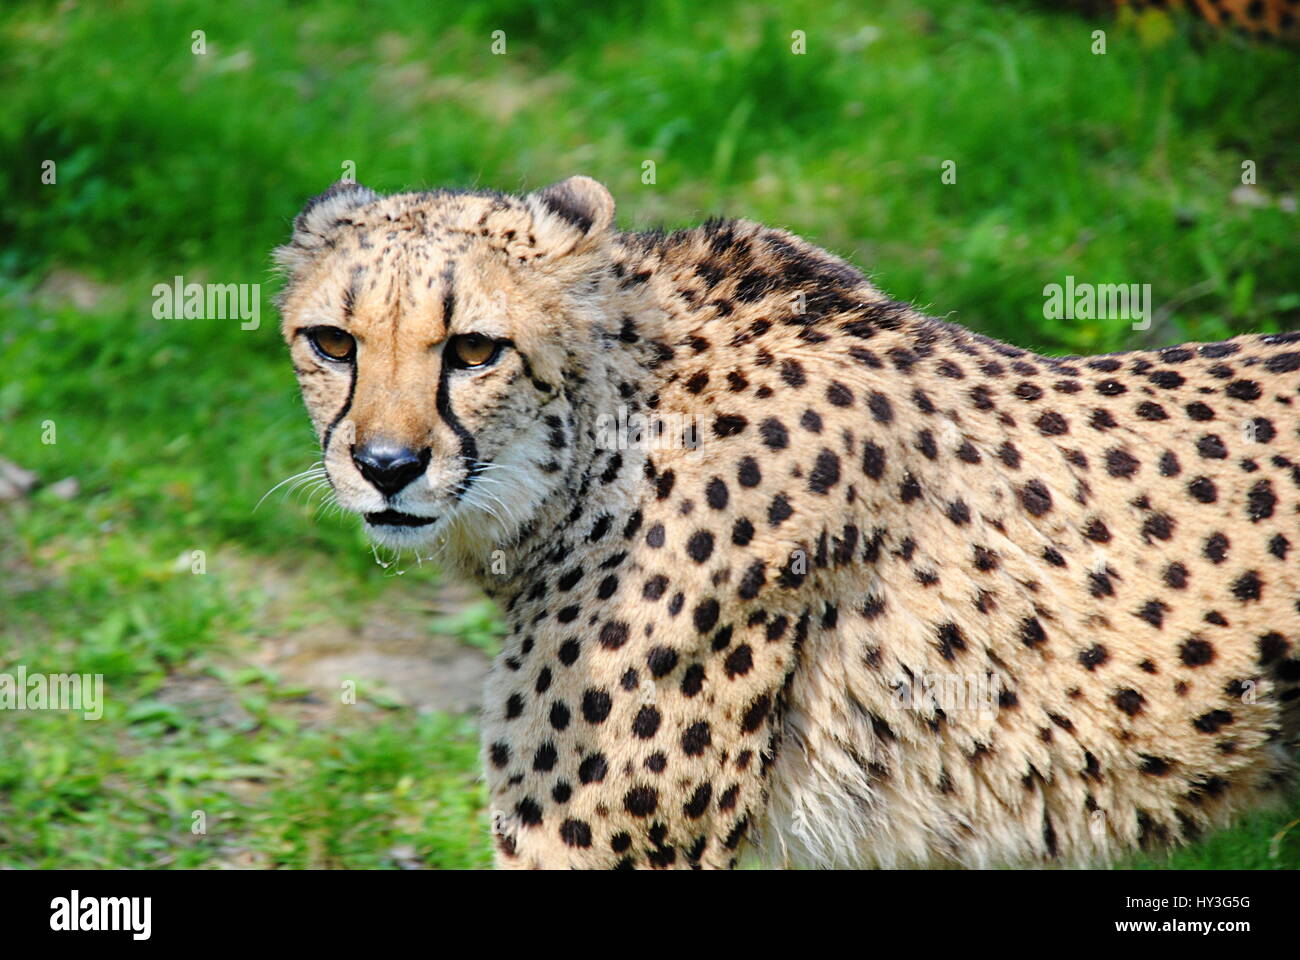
x=1093 y=558
x=1260 y=18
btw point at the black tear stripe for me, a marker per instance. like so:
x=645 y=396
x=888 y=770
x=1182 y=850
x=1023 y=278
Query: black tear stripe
x=468 y=448
x=347 y=405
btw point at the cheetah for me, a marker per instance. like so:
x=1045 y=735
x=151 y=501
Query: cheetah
x=791 y=567
x=1274 y=19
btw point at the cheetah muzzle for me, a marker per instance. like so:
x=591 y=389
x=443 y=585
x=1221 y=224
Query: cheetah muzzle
x=787 y=563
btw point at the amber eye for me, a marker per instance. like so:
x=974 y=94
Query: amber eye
x=472 y=350
x=332 y=343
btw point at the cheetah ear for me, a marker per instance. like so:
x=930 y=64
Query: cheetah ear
x=318 y=221
x=578 y=204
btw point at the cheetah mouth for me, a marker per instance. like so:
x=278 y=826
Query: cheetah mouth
x=394 y=518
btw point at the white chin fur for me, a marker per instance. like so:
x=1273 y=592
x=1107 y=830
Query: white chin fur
x=420 y=539
x=466 y=533
x=463 y=540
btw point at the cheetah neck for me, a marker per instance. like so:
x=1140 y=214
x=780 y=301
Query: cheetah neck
x=643 y=345
x=614 y=371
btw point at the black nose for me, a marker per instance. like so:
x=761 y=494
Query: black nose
x=389 y=468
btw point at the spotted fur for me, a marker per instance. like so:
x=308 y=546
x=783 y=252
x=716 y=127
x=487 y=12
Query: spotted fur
x=719 y=642
x=1260 y=18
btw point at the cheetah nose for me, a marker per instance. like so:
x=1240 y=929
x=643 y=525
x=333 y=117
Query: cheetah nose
x=389 y=467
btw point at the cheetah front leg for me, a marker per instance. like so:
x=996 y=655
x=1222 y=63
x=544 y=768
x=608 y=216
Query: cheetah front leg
x=655 y=758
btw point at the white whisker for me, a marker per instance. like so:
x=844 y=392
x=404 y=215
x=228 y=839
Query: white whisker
x=317 y=469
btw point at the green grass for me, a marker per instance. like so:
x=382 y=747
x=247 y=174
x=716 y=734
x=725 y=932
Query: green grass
x=1114 y=168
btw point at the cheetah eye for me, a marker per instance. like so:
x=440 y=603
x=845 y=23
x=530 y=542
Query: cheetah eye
x=333 y=343
x=471 y=350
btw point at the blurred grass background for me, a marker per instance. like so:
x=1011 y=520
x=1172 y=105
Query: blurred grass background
x=1124 y=167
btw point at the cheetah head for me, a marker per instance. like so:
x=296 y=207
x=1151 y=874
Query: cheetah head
x=432 y=335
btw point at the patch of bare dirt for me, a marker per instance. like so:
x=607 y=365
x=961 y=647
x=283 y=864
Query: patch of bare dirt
x=64 y=287
x=395 y=653
x=206 y=699
x=389 y=648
